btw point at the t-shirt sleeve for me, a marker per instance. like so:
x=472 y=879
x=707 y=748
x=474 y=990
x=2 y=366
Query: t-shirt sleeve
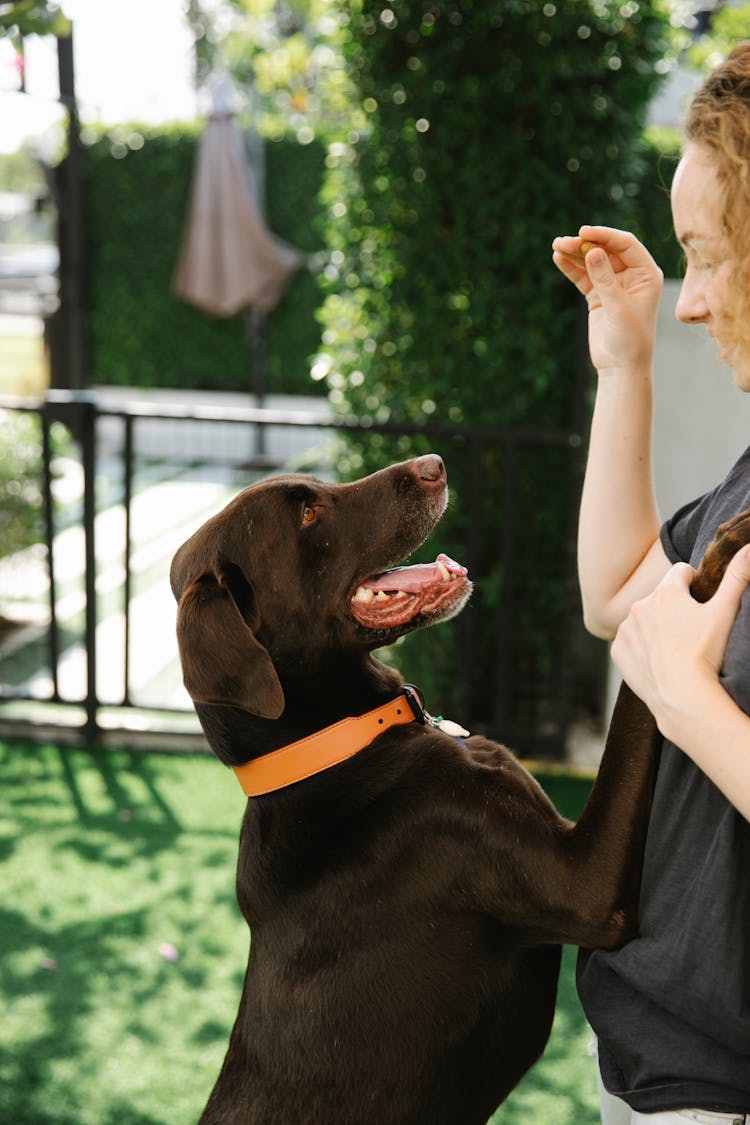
x=679 y=533
x=688 y=533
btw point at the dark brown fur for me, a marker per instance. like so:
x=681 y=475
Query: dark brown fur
x=407 y=906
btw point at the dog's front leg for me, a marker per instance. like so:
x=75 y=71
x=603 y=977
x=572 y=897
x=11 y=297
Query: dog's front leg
x=633 y=744
x=558 y=882
x=583 y=885
x=603 y=853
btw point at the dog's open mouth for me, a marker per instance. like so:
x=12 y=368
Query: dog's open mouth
x=396 y=597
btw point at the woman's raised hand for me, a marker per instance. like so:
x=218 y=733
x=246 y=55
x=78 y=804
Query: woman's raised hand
x=622 y=285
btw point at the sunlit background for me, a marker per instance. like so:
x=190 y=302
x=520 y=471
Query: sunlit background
x=134 y=61
x=385 y=179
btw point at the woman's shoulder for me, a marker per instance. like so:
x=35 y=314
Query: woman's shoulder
x=688 y=533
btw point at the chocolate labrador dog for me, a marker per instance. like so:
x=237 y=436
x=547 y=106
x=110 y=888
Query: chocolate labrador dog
x=407 y=887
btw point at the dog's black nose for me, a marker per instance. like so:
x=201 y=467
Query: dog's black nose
x=430 y=467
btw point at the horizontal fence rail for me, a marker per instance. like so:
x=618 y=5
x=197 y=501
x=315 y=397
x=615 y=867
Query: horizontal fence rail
x=87 y=618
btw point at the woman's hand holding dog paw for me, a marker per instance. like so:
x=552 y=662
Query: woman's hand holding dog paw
x=670 y=650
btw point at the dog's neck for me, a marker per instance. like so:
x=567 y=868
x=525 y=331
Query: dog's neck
x=329 y=746
x=313 y=702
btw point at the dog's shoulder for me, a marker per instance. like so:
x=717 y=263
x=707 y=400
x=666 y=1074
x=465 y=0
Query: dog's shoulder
x=430 y=767
x=505 y=776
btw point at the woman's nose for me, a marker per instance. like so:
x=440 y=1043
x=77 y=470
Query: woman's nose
x=692 y=307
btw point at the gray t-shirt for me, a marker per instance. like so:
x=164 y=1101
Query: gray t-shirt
x=672 y=1008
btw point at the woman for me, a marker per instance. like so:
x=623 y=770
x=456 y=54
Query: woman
x=671 y=1010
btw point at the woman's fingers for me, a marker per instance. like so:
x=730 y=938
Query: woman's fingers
x=726 y=600
x=622 y=285
x=577 y=248
x=572 y=267
x=623 y=247
x=668 y=639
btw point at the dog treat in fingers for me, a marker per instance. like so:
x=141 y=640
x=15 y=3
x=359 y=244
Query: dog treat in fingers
x=586 y=246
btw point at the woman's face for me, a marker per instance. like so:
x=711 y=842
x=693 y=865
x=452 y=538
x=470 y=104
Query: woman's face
x=706 y=294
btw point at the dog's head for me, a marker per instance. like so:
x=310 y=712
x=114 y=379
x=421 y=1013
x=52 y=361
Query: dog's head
x=294 y=573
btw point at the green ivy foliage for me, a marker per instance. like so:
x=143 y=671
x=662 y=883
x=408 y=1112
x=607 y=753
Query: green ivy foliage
x=21 y=479
x=493 y=125
x=33 y=17
x=653 y=223
x=137 y=185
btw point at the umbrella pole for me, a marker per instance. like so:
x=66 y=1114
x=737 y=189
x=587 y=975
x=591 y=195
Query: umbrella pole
x=257 y=322
x=256 y=329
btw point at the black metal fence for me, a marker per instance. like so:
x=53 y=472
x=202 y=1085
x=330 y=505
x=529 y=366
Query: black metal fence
x=88 y=643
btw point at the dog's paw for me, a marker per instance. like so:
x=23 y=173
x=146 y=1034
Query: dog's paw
x=727 y=542
x=622 y=928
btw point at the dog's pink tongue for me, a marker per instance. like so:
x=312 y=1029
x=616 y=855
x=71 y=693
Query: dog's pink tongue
x=411 y=579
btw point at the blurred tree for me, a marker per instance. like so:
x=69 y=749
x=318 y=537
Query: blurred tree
x=287 y=52
x=729 y=26
x=491 y=126
x=33 y=17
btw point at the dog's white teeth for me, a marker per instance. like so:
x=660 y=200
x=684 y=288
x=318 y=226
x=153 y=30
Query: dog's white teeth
x=364 y=596
x=443 y=572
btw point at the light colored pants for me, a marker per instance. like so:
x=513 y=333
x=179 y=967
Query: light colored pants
x=617 y=1112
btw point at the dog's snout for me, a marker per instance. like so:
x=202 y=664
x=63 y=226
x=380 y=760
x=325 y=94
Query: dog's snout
x=431 y=468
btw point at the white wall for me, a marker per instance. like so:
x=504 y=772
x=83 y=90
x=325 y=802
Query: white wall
x=701 y=419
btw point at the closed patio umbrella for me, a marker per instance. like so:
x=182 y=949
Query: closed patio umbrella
x=229 y=260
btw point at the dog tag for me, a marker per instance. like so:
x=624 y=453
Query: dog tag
x=447 y=726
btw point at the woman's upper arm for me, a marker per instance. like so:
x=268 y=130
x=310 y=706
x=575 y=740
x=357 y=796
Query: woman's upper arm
x=641 y=582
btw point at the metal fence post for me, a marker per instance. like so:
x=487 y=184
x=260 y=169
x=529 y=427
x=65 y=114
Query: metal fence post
x=77 y=410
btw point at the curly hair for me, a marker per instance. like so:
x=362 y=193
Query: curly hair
x=718 y=119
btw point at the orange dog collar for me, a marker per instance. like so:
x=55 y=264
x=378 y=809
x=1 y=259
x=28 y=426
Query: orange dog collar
x=327 y=747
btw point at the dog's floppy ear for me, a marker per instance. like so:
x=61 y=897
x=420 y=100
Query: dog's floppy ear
x=222 y=662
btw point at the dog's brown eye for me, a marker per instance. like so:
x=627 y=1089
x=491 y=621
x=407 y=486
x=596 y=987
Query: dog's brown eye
x=309 y=515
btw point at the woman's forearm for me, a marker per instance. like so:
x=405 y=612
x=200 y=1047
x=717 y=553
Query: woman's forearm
x=619 y=555
x=711 y=729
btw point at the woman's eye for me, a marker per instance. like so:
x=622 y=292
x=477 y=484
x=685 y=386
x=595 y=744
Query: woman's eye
x=309 y=515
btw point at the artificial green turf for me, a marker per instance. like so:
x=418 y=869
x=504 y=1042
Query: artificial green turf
x=107 y=861
x=112 y=865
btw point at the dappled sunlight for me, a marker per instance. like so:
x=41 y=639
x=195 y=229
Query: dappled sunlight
x=124 y=950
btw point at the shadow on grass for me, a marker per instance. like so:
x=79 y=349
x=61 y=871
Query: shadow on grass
x=117 y=993
x=32 y=773
x=58 y=991
x=124 y=951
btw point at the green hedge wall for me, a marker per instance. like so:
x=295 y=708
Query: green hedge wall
x=493 y=126
x=653 y=218
x=137 y=184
